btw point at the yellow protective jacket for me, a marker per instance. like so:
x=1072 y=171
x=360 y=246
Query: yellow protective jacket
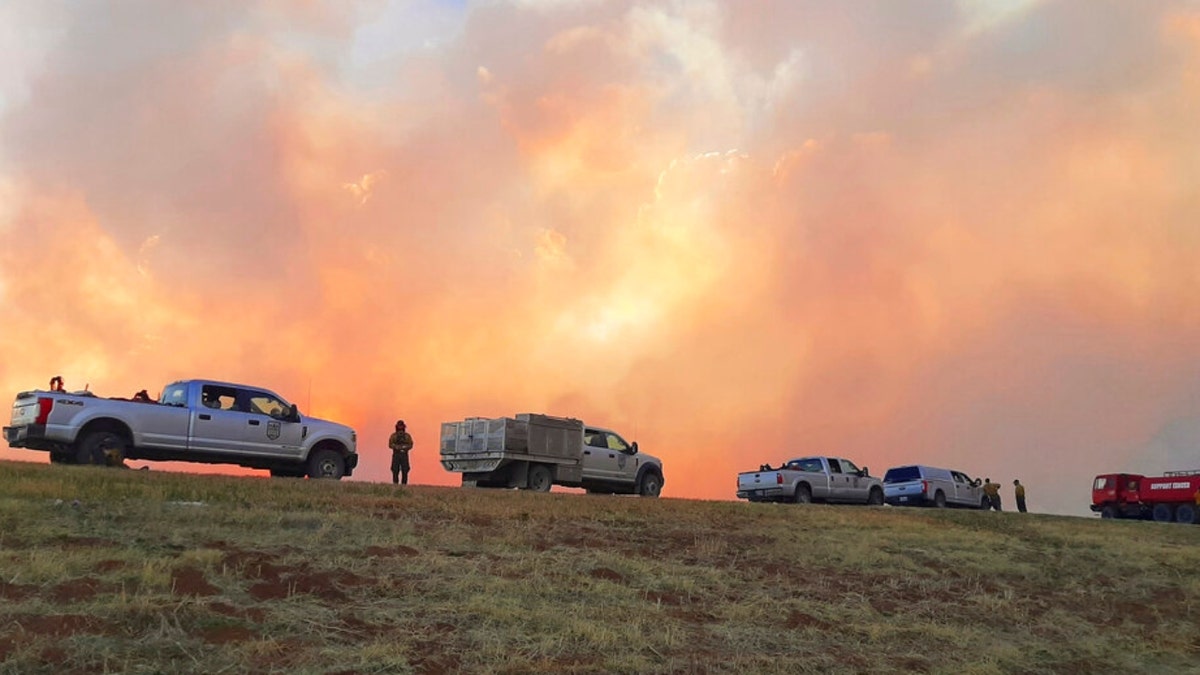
x=400 y=442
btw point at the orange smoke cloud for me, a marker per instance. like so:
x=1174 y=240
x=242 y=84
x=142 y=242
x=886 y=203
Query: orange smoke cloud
x=962 y=234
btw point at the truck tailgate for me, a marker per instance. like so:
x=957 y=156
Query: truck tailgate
x=25 y=409
x=757 y=480
x=907 y=491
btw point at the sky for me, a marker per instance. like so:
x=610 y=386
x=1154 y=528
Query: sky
x=951 y=232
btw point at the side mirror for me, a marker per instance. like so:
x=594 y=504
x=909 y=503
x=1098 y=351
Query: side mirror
x=633 y=448
x=864 y=472
x=293 y=415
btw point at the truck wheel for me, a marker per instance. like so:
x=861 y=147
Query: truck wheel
x=1163 y=513
x=939 y=499
x=326 y=463
x=1110 y=511
x=651 y=485
x=540 y=479
x=94 y=447
x=1186 y=514
x=803 y=494
x=876 y=497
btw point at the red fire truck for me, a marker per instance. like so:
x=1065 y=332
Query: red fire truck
x=1172 y=496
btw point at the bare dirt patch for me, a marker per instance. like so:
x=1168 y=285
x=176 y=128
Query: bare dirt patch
x=76 y=590
x=254 y=564
x=664 y=598
x=797 y=620
x=190 y=581
x=607 y=574
x=16 y=591
x=107 y=566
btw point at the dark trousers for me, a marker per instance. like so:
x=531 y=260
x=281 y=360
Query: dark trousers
x=400 y=467
x=995 y=503
x=1021 y=504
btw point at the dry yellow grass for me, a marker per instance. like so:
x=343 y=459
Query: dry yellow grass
x=124 y=571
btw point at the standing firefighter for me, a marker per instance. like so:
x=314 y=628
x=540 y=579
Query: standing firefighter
x=1019 y=492
x=400 y=443
x=992 y=490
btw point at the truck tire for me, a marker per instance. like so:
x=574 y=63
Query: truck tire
x=1110 y=511
x=803 y=494
x=1163 y=513
x=326 y=463
x=875 y=498
x=94 y=446
x=939 y=499
x=1186 y=514
x=540 y=479
x=650 y=485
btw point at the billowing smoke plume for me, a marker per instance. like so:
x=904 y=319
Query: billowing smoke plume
x=961 y=233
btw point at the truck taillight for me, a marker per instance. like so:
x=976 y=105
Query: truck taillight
x=925 y=486
x=45 y=403
x=779 y=479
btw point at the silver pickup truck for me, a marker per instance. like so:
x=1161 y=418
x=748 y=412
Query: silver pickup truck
x=192 y=421
x=811 y=479
x=533 y=452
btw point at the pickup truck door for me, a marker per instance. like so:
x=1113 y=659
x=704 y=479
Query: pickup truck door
x=857 y=487
x=601 y=461
x=217 y=430
x=267 y=432
x=220 y=424
x=965 y=493
x=165 y=425
x=839 y=482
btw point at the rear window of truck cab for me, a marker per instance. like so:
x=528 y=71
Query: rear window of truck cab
x=902 y=474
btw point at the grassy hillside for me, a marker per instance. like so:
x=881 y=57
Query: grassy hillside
x=104 y=570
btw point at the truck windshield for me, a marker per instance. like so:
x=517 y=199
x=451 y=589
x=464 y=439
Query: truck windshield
x=902 y=474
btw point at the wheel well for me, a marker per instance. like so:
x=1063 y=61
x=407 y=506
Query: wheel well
x=649 y=468
x=329 y=444
x=105 y=424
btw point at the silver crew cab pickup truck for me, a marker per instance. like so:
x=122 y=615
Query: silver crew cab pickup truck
x=533 y=452
x=192 y=421
x=811 y=479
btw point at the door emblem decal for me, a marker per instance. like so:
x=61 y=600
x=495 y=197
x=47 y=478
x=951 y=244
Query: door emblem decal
x=272 y=430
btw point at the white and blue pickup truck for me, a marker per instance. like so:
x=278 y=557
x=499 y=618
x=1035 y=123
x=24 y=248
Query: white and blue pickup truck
x=811 y=479
x=921 y=485
x=192 y=421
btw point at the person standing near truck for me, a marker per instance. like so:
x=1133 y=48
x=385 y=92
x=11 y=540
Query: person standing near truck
x=992 y=490
x=400 y=443
x=1019 y=492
